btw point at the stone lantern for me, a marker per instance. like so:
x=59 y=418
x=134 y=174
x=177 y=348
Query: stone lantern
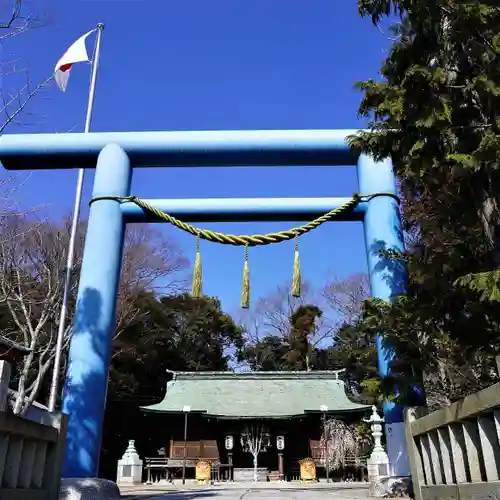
x=129 y=466
x=378 y=463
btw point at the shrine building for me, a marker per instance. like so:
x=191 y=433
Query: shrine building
x=220 y=416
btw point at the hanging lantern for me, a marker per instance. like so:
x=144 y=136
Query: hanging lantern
x=280 y=443
x=229 y=443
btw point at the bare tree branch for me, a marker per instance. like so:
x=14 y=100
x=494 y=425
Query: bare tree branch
x=272 y=314
x=13 y=106
x=345 y=297
x=32 y=273
x=31 y=278
x=343 y=444
x=151 y=263
x=15 y=19
x=255 y=440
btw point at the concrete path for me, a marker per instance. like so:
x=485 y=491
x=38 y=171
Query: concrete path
x=254 y=494
x=288 y=492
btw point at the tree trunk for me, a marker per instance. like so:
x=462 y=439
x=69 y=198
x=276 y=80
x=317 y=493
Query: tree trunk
x=255 y=475
x=486 y=195
x=19 y=406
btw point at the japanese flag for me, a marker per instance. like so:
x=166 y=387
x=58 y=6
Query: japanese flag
x=75 y=54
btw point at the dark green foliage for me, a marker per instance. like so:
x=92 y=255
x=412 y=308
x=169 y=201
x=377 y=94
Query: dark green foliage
x=435 y=113
x=303 y=324
x=288 y=351
x=354 y=351
x=268 y=354
x=175 y=333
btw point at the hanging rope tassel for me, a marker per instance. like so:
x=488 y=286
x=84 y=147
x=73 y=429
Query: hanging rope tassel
x=245 y=292
x=197 y=287
x=296 y=281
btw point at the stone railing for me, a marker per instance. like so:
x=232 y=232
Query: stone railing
x=455 y=452
x=31 y=452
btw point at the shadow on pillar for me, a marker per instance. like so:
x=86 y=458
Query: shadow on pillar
x=80 y=444
x=394 y=272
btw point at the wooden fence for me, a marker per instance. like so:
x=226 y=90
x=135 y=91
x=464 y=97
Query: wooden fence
x=455 y=452
x=31 y=454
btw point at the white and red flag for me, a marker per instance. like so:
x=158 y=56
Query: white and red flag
x=75 y=54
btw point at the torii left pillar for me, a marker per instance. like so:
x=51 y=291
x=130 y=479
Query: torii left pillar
x=90 y=350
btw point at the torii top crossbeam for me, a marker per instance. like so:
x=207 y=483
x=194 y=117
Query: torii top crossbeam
x=158 y=149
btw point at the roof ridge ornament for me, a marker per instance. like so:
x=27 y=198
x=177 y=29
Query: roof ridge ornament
x=174 y=374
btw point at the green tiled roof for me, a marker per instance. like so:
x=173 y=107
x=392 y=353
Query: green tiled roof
x=256 y=394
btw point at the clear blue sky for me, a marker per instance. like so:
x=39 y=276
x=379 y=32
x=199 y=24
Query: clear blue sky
x=221 y=64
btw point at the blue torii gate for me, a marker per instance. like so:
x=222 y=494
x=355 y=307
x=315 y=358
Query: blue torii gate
x=114 y=155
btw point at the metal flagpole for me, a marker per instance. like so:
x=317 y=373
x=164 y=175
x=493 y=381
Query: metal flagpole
x=74 y=226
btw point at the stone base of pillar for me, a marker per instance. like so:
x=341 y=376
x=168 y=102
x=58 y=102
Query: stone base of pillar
x=394 y=486
x=88 y=489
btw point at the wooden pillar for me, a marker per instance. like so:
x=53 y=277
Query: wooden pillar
x=5 y=374
x=230 y=462
x=280 y=466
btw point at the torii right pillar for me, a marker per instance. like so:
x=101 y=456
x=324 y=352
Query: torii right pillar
x=388 y=278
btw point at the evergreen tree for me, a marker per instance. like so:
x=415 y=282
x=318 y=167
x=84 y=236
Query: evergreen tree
x=434 y=112
x=303 y=323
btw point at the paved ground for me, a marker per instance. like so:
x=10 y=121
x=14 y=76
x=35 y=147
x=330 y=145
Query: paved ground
x=317 y=492
x=254 y=494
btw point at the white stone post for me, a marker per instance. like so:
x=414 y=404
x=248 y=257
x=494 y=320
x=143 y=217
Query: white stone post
x=129 y=469
x=378 y=463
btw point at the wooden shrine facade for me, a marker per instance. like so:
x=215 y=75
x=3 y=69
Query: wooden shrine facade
x=222 y=414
